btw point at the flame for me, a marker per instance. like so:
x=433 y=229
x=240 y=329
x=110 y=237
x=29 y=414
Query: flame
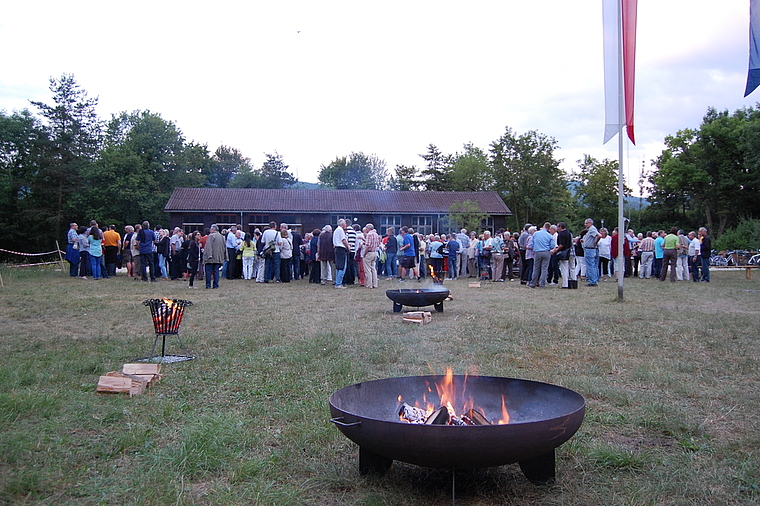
x=504 y=413
x=432 y=272
x=451 y=398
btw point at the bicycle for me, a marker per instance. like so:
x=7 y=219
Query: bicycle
x=717 y=260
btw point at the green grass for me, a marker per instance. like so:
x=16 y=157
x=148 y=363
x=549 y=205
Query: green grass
x=671 y=379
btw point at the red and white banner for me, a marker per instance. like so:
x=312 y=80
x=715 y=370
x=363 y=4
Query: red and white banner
x=619 y=31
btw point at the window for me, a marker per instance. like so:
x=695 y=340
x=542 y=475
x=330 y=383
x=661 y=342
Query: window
x=335 y=217
x=191 y=222
x=389 y=221
x=260 y=221
x=226 y=220
x=422 y=224
x=487 y=224
x=293 y=221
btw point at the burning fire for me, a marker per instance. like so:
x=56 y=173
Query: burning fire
x=167 y=316
x=444 y=413
x=432 y=273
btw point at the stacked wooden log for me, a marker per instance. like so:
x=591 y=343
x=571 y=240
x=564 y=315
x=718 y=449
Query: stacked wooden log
x=420 y=317
x=132 y=380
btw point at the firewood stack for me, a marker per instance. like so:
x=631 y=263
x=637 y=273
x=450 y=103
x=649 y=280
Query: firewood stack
x=420 y=317
x=132 y=380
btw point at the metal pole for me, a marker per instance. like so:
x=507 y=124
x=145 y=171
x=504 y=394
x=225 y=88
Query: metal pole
x=620 y=267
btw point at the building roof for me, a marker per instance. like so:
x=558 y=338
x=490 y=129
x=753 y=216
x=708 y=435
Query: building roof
x=327 y=201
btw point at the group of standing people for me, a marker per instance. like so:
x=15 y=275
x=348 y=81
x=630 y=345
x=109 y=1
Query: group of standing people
x=91 y=251
x=351 y=254
x=552 y=251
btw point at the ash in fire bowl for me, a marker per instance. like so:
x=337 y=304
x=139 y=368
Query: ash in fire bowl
x=418 y=297
x=540 y=417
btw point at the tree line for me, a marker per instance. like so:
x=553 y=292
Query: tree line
x=62 y=163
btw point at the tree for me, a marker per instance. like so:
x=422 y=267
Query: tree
x=227 y=164
x=274 y=173
x=74 y=133
x=471 y=170
x=437 y=173
x=22 y=145
x=406 y=178
x=466 y=214
x=356 y=171
x=528 y=177
x=714 y=170
x=144 y=158
x=597 y=188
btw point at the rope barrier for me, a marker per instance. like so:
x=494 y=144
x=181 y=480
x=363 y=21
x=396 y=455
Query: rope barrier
x=32 y=254
x=32 y=265
x=54 y=252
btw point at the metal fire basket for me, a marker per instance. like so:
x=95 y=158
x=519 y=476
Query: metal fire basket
x=167 y=316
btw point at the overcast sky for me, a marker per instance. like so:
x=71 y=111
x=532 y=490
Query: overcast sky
x=316 y=80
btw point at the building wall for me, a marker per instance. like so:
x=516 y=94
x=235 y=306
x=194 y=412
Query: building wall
x=306 y=222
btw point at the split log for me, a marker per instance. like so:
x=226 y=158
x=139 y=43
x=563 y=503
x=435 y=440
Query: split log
x=114 y=385
x=474 y=284
x=438 y=417
x=477 y=417
x=418 y=317
x=139 y=383
x=150 y=372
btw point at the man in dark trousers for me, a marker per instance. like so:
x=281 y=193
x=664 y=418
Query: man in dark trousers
x=296 y=262
x=706 y=251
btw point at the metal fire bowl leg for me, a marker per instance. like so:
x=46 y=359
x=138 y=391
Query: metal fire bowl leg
x=397 y=307
x=370 y=462
x=438 y=307
x=540 y=470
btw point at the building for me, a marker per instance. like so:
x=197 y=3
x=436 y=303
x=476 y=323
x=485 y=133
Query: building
x=305 y=210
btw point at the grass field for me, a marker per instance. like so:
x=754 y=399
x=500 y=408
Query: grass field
x=670 y=377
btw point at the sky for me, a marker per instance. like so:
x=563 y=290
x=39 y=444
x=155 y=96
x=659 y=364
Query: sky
x=314 y=81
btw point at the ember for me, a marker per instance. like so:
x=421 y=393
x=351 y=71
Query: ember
x=444 y=413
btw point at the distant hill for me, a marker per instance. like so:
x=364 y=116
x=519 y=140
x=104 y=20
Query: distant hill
x=303 y=185
x=629 y=202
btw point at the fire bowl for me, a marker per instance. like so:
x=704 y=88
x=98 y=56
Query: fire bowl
x=542 y=417
x=418 y=298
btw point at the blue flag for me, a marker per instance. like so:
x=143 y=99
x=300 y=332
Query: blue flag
x=753 y=76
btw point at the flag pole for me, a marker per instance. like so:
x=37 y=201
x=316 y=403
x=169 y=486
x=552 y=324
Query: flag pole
x=620 y=264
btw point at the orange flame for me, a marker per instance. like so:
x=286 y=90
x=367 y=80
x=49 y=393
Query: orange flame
x=448 y=395
x=504 y=413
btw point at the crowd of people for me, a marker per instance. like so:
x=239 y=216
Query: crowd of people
x=354 y=255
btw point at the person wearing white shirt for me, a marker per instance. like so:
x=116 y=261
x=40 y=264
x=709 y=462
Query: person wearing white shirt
x=695 y=253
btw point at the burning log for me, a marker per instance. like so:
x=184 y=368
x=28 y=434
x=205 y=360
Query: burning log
x=439 y=417
x=476 y=417
x=412 y=414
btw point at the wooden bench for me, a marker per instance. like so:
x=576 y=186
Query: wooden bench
x=747 y=269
